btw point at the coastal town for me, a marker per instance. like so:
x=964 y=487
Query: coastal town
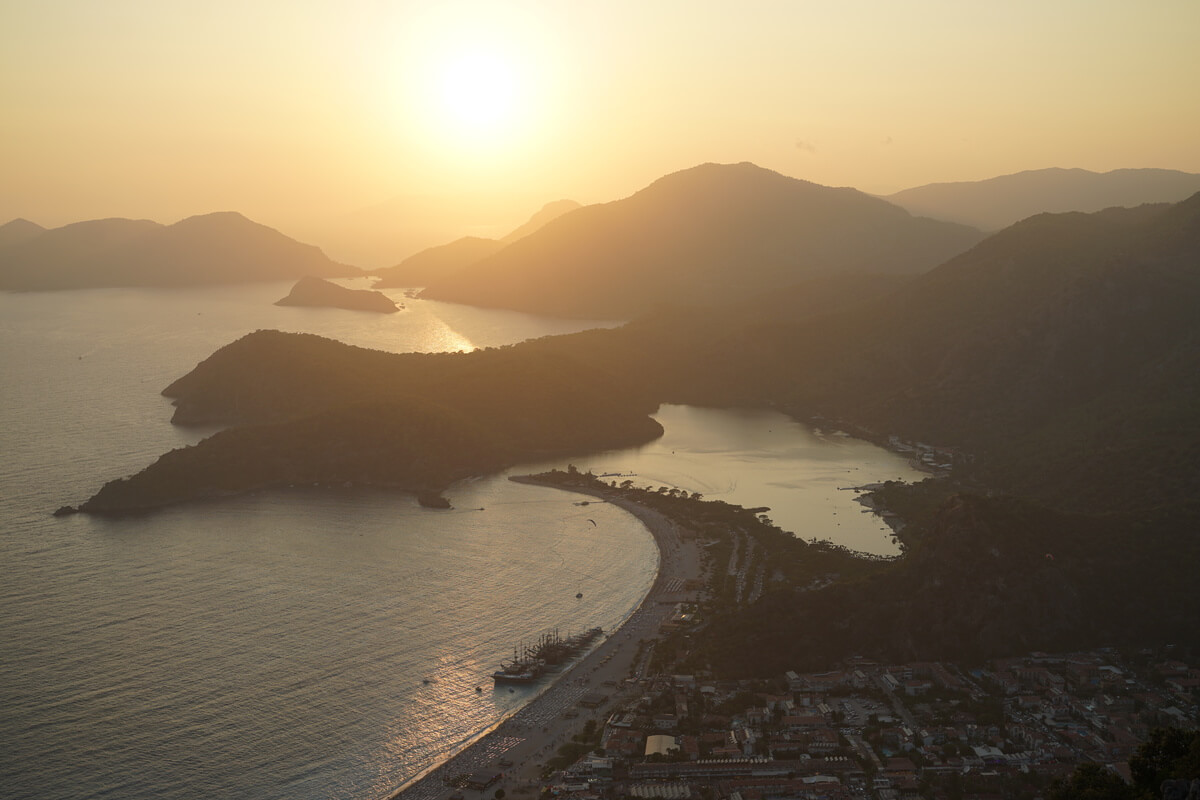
x=623 y=722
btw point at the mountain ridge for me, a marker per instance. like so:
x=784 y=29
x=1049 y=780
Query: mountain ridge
x=426 y=265
x=709 y=234
x=222 y=247
x=995 y=203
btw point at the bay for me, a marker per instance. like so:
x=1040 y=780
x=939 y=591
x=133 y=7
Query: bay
x=304 y=643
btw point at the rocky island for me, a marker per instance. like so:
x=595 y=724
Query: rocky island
x=320 y=293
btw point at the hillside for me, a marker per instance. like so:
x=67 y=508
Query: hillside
x=710 y=235
x=988 y=578
x=311 y=410
x=1065 y=334
x=19 y=230
x=1060 y=360
x=421 y=268
x=209 y=249
x=999 y=202
x=545 y=215
x=1061 y=335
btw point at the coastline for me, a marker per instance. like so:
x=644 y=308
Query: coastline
x=530 y=737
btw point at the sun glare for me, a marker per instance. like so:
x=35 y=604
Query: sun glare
x=478 y=90
x=477 y=99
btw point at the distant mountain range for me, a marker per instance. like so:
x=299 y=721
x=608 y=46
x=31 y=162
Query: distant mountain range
x=713 y=234
x=209 y=249
x=428 y=265
x=999 y=202
x=17 y=231
x=1057 y=361
x=1062 y=335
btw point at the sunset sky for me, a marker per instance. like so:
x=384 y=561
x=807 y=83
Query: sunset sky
x=298 y=113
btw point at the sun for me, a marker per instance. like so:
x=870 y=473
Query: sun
x=480 y=97
x=472 y=85
x=478 y=90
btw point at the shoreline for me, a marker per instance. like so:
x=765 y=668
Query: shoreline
x=531 y=736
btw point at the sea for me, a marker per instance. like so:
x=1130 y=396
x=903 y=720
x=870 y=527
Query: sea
x=311 y=643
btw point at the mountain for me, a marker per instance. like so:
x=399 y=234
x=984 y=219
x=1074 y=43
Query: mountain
x=209 y=249
x=708 y=235
x=999 y=202
x=308 y=409
x=17 y=231
x=421 y=268
x=320 y=293
x=1063 y=335
x=548 y=213
x=1057 y=363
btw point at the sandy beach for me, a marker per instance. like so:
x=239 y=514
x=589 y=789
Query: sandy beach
x=530 y=737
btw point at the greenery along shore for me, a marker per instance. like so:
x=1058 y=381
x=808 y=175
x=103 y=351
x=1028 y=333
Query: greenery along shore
x=976 y=582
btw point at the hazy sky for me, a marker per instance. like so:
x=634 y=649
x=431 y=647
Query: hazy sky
x=295 y=110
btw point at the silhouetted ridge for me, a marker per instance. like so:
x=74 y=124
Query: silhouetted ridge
x=707 y=235
x=434 y=262
x=549 y=212
x=421 y=268
x=995 y=203
x=19 y=230
x=313 y=410
x=224 y=247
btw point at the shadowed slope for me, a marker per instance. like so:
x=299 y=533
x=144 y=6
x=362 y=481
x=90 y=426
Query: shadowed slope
x=446 y=259
x=707 y=235
x=210 y=249
x=999 y=202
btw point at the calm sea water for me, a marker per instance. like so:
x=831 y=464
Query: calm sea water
x=297 y=644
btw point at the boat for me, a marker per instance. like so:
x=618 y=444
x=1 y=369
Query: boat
x=531 y=662
x=524 y=667
x=517 y=672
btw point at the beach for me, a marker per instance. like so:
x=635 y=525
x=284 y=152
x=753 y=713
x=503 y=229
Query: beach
x=531 y=736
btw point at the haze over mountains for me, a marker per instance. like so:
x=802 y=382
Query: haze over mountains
x=1058 y=360
x=711 y=234
x=998 y=202
x=214 y=248
x=421 y=268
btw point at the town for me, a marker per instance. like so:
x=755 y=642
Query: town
x=633 y=720
x=1007 y=729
